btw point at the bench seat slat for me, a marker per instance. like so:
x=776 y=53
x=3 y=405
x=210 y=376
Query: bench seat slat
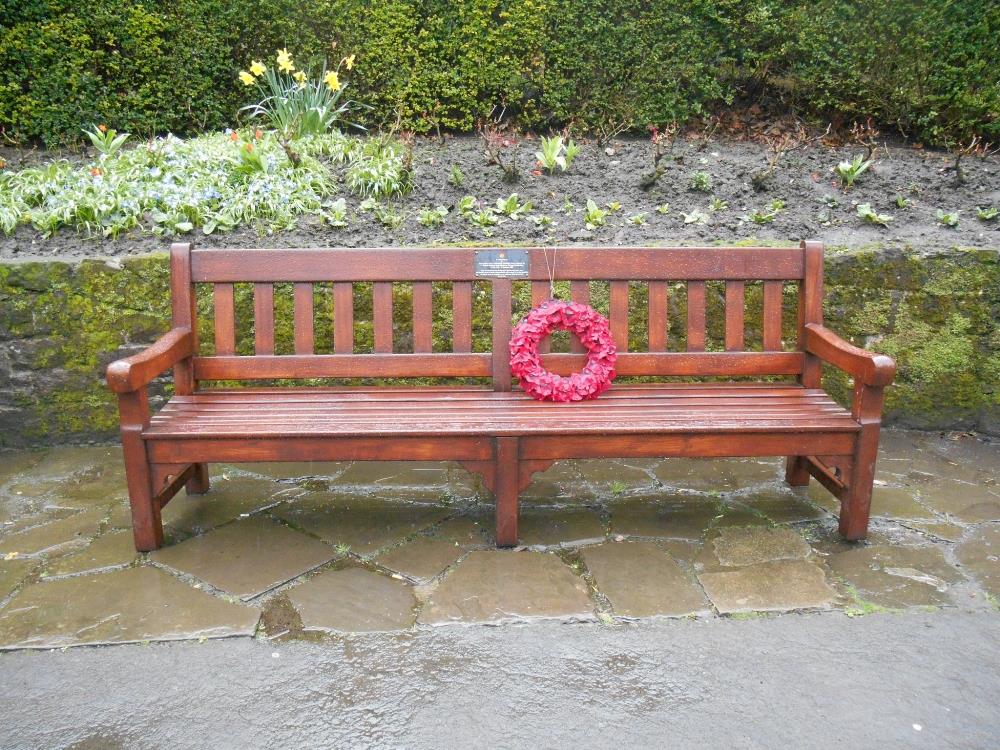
x=630 y=410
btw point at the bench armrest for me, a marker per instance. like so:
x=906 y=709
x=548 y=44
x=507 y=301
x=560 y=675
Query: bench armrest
x=132 y=373
x=867 y=367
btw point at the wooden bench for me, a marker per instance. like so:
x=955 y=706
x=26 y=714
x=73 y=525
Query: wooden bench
x=492 y=428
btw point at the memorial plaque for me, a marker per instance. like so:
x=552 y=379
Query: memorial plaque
x=502 y=264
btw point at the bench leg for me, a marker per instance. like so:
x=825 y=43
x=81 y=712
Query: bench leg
x=147 y=528
x=506 y=455
x=855 y=505
x=796 y=471
x=198 y=484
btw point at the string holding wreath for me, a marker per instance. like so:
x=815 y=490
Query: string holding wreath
x=594 y=333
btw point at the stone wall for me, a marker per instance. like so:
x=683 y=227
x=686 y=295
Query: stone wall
x=61 y=323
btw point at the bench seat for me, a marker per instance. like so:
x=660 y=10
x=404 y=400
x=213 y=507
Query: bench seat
x=457 y=411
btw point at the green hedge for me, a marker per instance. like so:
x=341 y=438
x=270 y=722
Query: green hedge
x=928 y=67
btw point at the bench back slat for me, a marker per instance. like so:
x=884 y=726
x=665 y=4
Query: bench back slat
x=225 y=319
x=696 y=316
x=735 y=303
x=454 y=264
x=461 y=313
x=673 y=284
x=382 y=311
x=263 y=318
x=343 y=317
x=303 y=319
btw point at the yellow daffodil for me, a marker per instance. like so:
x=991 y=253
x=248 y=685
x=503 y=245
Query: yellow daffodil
x=349 y=61
x=284 y=59
x=257 y=68
x=331 y=80
x=246 y=78
x=300 y=76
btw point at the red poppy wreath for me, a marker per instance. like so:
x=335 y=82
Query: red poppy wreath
x=594 y=333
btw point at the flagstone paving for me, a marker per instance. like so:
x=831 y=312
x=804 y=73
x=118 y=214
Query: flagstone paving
x=497 y=586
x=247 y=557
x=341 y=547
x=124 y=606
x=354 y=600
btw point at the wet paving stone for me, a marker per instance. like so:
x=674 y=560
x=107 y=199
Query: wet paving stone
x=423 y=558
x=718 y=474
x=898 y=503
x=354 y=600
x=74 y=530
x=84 y=473
x=294 y=469
x=738 y=547
x=668 y=516
x=980 y=555
x=226 y=500
x=13 y=572
x=782 y=506
x=113 y=549
x=362 y=524
x=124 y=606
x=736 y=514
x=563 y=526
x=563 y=482
x=497 y=586
x=641 y=580
x=896 y=577
x=781 y=585
x=951 y=532
x=247 y=557
x=469 y=529
x=616 y=476
x=964 y=501
x=408 y=480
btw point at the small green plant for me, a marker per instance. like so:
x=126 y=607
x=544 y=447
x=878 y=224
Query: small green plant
x=456 y=178
x=702 y=182
x=777 y=205
x=717 y=204
x=379 y=169
x=618 y=487
x=594 y=216
x=251 y=161
x=368 y=204
x=555 y=152
x=512 y=207
x=870 y=215
x=432 y=217
x=466 y=205
x=388 y=217
x=568 y=206
x=614 y=206
x=107 y=141
x=638 y=220
x=485 y=219
x=334 y=213
x=901 y=202
x=762 y=216
x=831 y=201
x=663 y=208
x=987 y=214
x=696 y=216
x=947 y=218
x=849 y=171
x=543 y=220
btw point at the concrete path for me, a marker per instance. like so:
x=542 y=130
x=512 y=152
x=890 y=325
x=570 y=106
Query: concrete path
x=796 y=681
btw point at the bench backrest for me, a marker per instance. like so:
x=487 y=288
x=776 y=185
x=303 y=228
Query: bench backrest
x=660 y=273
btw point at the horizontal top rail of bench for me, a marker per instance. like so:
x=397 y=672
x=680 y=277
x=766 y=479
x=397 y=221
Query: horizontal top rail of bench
x=456 y=264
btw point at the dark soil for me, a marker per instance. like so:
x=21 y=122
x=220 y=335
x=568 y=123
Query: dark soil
x=816 y=206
